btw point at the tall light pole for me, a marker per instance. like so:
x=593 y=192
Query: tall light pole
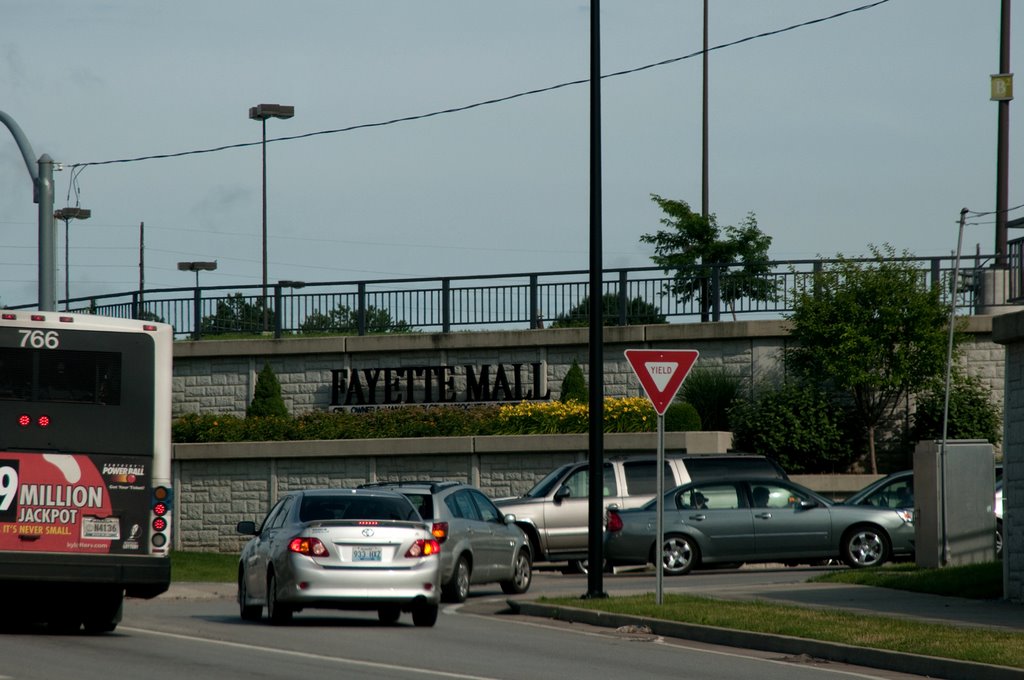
x=262 y=112
x=68 y=214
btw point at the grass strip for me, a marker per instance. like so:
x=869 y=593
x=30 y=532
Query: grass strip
x=877 y=632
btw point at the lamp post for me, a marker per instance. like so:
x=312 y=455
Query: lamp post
x=197 y=267
x=262 y=112
x=68 y=214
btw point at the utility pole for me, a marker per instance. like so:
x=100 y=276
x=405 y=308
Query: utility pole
x=1002 y=92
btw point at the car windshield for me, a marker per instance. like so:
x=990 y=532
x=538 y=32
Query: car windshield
x=544 y=486
x=315 y=508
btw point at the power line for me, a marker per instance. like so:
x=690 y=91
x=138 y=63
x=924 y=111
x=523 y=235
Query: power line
x=77 y=168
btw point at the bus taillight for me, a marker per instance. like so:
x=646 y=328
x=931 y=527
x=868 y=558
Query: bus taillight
x=24 y=420
x=44 y=421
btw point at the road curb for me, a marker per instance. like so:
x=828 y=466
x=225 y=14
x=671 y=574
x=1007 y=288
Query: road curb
x=930 y=666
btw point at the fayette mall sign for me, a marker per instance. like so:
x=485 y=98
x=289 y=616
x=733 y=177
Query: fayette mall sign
x=367 y=389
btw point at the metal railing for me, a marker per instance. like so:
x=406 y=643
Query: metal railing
x=502 y=301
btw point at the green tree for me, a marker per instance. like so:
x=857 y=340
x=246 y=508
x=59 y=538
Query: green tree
x=869 y=331
x=343 y=319
x=574 y=385
x=235 y=315
x=266 y=398
x=638 y=313
x=693 y=244
x=972 y=413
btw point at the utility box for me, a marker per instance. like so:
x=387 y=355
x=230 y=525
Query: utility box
x=954 y=497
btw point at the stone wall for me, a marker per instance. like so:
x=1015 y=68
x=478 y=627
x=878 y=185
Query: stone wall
x=219 y=376
x=218 y=485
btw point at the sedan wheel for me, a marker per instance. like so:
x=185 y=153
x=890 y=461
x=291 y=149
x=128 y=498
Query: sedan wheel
x=679 y=555
x=278 y=613
x=457 y=589
x=865 y=547
x=248 y=612
x=522 y=575
x=424 y=615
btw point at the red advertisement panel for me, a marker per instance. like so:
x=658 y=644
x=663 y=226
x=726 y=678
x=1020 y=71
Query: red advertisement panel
x=73 y=503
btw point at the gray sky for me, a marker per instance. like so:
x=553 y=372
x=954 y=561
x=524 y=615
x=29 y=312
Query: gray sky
x=875 y=127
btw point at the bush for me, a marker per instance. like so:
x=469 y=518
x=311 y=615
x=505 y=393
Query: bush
x=972 y=413
x=266 y=398
x=632 y=414
x=681 y=416
x=797 y=425
x=574 y=385
x=712 y=391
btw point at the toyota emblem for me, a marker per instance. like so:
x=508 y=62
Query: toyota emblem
x=367 y=532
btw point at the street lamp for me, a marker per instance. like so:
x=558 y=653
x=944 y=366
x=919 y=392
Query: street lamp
x=197 y=267
x=68 y=214
x=261 y=113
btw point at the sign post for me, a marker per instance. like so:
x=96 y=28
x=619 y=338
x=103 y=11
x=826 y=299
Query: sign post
x=661 y=373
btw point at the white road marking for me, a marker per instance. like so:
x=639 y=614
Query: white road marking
x=306 y=655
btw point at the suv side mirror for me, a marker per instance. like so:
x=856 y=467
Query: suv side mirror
x=562 y=493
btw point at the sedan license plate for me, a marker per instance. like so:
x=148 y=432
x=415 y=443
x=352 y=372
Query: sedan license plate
x=366 y=554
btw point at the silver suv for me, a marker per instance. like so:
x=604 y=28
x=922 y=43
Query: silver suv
x=554 y=513
x=480 y=543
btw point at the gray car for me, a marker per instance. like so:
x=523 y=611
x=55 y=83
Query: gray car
x=340 y=549
x=755 y=520
x=480 y=543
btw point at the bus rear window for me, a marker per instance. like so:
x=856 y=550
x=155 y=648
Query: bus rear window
x=57 y=375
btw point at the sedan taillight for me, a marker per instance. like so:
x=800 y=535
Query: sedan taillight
x=313 y=547
x=614 y=521
x=423 y=547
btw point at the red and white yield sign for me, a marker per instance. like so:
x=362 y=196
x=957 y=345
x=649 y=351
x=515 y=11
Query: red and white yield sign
x=661 y=372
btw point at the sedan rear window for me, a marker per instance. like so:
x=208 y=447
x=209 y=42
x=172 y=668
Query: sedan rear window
x=315 y=508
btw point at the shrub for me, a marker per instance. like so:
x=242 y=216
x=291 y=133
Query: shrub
x=632 y=414
x=797 y=425
x=574 y=385
x=681 y=416
x=712 y=391
x=972 y=413
x=266 y=398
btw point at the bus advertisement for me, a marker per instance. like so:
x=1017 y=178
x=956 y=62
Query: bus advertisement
x=85 y=469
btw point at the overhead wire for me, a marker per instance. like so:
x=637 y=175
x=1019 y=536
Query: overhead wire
x=487 y=102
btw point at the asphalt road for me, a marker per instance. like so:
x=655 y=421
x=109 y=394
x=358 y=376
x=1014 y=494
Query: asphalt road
x=195 y=632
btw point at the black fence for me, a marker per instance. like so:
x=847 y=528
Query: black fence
x=501 y=301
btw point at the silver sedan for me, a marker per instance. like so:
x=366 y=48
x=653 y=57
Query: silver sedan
x=755 y=520
x=340 y=549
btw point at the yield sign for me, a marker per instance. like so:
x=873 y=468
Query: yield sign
x=661 y=372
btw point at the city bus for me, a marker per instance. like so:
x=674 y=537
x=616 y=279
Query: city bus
x=85 y=467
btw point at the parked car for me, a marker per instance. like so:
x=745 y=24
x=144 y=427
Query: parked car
x=480 y=544
x=754 y=520
x=554 y=514
x=897 y=491
x=340 y=549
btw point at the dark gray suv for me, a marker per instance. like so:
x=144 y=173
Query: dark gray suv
x=480 y=543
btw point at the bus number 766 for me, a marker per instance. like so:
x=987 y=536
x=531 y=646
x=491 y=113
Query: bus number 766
x=37 y=339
